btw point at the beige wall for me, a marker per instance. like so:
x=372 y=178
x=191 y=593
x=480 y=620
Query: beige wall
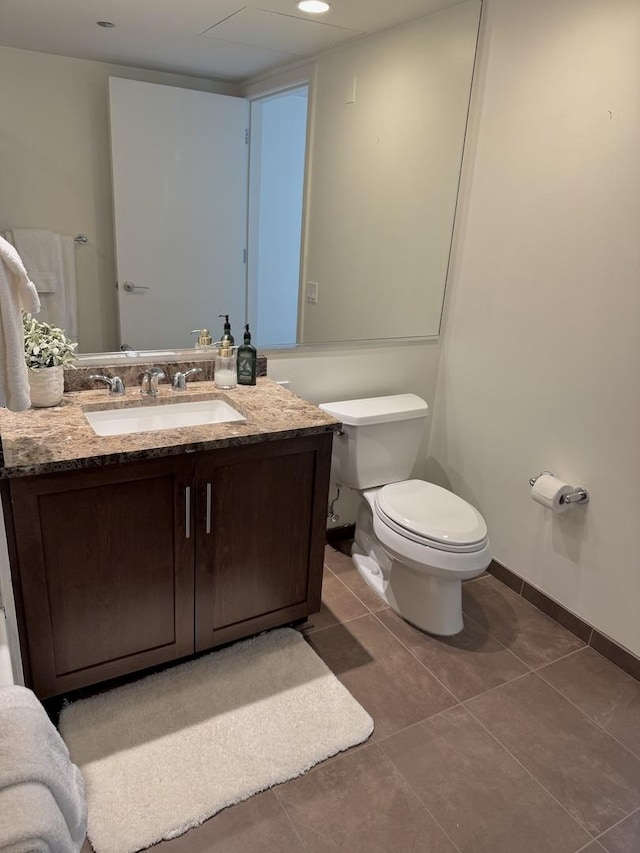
x=55 y=166
x=541 y=355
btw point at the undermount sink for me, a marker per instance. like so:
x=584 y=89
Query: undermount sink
x=156 y=417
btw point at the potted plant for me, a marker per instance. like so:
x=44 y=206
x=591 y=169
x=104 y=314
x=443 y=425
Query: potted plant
x=47 y=352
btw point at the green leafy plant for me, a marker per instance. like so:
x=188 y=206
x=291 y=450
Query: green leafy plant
x=46 y=345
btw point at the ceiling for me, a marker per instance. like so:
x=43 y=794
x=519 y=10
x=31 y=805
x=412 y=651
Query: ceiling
x=222 y=39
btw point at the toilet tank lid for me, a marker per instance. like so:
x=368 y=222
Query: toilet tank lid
x=374 y=410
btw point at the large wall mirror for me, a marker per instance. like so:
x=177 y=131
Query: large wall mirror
x=345 y=237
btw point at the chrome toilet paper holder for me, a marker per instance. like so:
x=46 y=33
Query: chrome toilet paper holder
x=579 y=495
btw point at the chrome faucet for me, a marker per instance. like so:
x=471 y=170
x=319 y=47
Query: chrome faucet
x=115 y=384
x=150 y=378
x=180 y=379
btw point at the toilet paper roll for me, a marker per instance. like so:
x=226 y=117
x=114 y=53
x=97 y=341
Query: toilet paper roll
x=548 y=491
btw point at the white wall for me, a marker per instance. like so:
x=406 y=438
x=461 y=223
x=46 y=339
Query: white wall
x=55 y=166
x=541 y=356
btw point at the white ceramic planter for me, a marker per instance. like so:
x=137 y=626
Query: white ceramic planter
x=46 y=385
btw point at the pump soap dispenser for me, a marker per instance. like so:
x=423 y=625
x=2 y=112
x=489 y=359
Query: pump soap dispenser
x=204 y=338
x=247 y=360
x=225 y=368
x=227 y=337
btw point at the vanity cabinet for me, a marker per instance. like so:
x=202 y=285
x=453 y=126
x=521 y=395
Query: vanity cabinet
x=105 y=571
x=132 y=565
x=260 y=540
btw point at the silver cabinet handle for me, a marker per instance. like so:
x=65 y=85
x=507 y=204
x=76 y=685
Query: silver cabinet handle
x=208 y=516
x=129 y=286
x=187 y=512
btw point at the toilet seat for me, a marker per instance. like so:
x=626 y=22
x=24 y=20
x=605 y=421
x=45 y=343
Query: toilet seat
x=430 y=515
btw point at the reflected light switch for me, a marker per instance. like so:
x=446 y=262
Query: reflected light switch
x=312 y=292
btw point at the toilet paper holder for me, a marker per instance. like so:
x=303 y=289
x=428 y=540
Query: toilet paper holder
x=579 y=495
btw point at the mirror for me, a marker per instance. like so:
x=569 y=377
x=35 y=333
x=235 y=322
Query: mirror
x=387 y=119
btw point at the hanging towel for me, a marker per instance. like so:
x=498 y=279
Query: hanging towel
x=42 y=798
x=41 y=253
x=50 y=260
x=17 y=294
x=70 y=324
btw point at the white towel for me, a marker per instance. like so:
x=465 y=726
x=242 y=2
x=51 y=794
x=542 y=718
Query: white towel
x=17 y=294
x=42 y=800
x=41 y=253
x=50 y=261
x=70 y=287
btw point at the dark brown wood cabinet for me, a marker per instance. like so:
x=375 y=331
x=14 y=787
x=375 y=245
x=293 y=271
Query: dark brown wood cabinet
x=132 y=565
x=260 y=539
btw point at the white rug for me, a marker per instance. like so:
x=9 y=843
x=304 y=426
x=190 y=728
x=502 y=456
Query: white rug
x=162 y=754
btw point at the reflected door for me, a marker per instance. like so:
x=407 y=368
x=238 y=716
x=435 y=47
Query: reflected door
x=180 y=183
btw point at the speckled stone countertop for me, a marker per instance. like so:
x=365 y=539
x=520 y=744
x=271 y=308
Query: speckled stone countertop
x=42 y=441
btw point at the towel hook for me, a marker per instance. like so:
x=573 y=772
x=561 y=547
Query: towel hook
x=81 y=239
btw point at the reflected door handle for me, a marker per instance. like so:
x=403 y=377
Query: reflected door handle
x=130 y=287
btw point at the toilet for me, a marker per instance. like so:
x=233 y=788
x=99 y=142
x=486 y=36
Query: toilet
x=415 y=542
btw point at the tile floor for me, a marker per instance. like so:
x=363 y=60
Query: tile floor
x=512 y=737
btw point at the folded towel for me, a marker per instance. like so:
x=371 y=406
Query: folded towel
x=31 y=822
x=42 y=802
x=17 y=294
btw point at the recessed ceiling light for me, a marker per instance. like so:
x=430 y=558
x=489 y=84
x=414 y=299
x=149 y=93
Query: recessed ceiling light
x=106 y=24
x=313 y=6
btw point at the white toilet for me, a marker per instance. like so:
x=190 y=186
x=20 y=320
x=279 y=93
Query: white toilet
x=415 y=542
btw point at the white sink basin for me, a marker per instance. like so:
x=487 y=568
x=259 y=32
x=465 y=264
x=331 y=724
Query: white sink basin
x=169 y=416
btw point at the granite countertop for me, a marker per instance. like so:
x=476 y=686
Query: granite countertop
x=42 y=441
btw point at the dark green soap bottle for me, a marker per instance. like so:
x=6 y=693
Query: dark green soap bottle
x=247 y=360
x=226 y=334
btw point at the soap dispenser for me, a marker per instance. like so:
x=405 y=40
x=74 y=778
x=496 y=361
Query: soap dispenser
x=225 y=369
x=227 y=337
x=247 y=360
x=204 y=338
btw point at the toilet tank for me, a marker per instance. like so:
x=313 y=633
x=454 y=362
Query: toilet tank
x=381 y=439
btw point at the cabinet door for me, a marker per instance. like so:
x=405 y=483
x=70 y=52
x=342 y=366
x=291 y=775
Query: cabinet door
x=260 y=536
x=106 y=569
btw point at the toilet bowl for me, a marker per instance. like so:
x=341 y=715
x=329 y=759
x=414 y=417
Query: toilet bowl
x=415 y=542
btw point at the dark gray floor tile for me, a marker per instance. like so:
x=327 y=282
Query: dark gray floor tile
x=360 y=804
x=339 y=604
x=467 y=664
x=596 y=779
x=603 y=691
x=380 y=673
x=481 y=796
x=594 y=847
x=342 y=566
x=525 y=631
x=623 y=838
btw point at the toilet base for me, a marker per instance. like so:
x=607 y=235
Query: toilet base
x=430 y=603
x=427 y=592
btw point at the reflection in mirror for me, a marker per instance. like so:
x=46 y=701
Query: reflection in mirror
x=387 y=117
x=390 y=118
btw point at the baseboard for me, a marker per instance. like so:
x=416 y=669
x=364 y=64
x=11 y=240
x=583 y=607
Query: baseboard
x=587 y=633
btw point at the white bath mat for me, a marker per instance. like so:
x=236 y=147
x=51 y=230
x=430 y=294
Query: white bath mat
x=162 y=754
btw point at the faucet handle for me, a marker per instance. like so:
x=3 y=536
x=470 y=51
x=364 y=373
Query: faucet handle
x=180 y=379
x=116 y=386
